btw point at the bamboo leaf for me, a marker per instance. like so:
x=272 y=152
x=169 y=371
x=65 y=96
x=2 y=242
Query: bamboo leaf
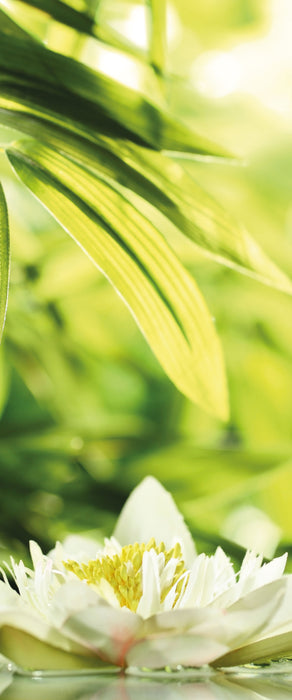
x=162 y=296
x=11 y=28
x=168 y=187
x=157 y=48
x=81 y=21
x=63 y=13
x=201 y=218
x=59 y=86
x=4 y=260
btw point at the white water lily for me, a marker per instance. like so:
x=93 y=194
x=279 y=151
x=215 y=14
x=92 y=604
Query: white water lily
x=144 y=598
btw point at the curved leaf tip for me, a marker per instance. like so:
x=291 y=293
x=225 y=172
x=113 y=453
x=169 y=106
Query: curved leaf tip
x=134 y=256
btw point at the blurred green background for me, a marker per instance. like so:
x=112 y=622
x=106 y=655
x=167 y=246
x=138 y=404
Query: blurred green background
x=86 y=410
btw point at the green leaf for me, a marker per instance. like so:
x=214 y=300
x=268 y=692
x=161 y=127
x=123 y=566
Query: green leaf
x=64 y=14
x=200 y=217
x=276 y=646
x=157 y=47
x=164 y=184
x=61 y=87
x=162 y=296
x=4 y=260
x=10 y=28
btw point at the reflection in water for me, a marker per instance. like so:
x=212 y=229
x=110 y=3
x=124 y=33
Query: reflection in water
x=244 y=685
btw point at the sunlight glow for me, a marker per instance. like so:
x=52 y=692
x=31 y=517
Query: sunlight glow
x=216 y=74
x=252 y=528
x=135 y=26
x=113 y=63
x=120 y=67
x=261 y=68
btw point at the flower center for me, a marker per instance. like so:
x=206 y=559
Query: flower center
x=123 y=571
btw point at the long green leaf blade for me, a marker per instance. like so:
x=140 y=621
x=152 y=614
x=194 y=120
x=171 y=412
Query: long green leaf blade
x=201 y=218
x=65 y=14
x=57 y=85
x=11 y=28
x=81 y=21
x=162 y=296
x=167 y=186
x=4 y=260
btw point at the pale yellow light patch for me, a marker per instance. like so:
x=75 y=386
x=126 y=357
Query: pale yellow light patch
x=123 y=571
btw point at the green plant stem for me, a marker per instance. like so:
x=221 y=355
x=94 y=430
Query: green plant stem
x=157 y=35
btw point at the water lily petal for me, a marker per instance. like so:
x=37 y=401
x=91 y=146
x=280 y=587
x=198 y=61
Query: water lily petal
x=201 y=583
x=249 y=619
x=8 y=596
x=150 y=599
x=35 y=553
x=224 y=572
x=151 y=512
x=72 y=597
x=271 y=571
x=76 y=547
x=240 y=625
x=100 y=628
x=252 y=576
x=167 y=574
x=282 y=620
x=179 y=649
x=205 y=621
x=21 y=631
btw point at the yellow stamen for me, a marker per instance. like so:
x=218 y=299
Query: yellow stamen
x=123 y=571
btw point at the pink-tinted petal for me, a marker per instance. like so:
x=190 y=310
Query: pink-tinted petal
x=240 y=625
x=103 y=630
x=173 y=650
x=197 y=620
